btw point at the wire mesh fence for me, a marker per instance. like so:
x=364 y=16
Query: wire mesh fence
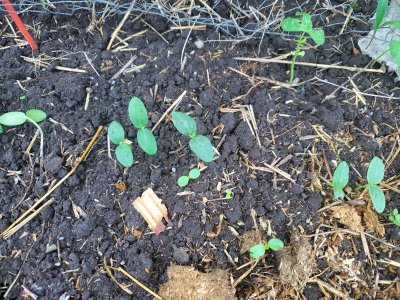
x=237 y=19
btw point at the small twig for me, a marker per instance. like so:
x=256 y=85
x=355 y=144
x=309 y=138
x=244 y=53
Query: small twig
x=24 y=218
x=115 y=33
x=173 y=105
x=315 y=65
x=90 y=63
x=29 y=148
x=330 y=288
x=89 y=92
x=74 y=70
x=119 y=269
x=126 y=66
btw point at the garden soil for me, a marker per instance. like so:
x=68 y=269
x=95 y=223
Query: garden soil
x=60 y=253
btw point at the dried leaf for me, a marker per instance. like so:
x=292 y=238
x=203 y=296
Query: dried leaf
x=371 y=220
x=121 y=185
x=152 y=210
x=218 y=229
x=347 y=215
x=78 y=212
x=137 y=233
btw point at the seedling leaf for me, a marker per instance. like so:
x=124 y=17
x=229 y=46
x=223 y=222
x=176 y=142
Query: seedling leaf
x=381 y=10
x=183 y=181
x=257 y=251
x=36 y=115
x=1 y=129
x=318 y=36
x=13 y=118
x=341 y=176
x=394 y=23
x=202 y=148
x=137 y=113
x=296 y=24
x=395 y=217
x=124 y=155
x=194 y=173
x=147 y=141
x=184 y=124
x=394 y=47
x=338 y=193
x=116 y=132
x=377 y=197
x=275 y=244
x=375 y=171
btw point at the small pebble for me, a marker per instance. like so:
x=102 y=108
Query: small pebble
x=199 y=44
x=173 y=169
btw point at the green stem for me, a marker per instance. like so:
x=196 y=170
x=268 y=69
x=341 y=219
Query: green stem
x=376 y=59
x=41 y=135
x=299 y=46
x=361 y=187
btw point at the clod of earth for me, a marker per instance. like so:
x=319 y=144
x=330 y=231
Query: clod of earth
x=185 y=283
x=297 y=262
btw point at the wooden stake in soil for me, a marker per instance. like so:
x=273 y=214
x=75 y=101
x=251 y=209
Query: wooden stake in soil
x=36 y=208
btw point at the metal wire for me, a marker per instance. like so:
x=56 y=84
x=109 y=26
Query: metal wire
x=236 y=19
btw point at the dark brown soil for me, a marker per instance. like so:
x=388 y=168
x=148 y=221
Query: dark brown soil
x=284 y=118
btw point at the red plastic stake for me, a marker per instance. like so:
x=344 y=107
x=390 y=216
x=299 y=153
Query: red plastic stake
x=21 y=26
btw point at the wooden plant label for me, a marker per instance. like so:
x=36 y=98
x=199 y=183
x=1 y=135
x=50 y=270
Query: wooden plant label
x=152 y=210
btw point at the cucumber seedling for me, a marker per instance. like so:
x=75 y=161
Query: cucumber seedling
x=184 y=180
x=259 y=250
x=375 y=174
x=340 y=179
x=199 y=144
x=395 y=217
x=123 y=152
x=138 y=115
x=15 y=118
x=304 y=25
x=394 y=45
x=228 y=194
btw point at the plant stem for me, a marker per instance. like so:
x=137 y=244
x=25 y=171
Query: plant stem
x=371 y=64
x=296 y=53
x=361 y=187
x=41 y=135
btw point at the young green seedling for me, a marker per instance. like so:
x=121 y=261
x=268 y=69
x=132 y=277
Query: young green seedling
x=304 y=25
x=123 y=152
x=381 y=10
x=16 y=118
x=394 y=45
x=395 y=217
x=228 y=194
x=138 y=116
x=199 y=144
x=375 y=175
x=184 y=180
x=340 y=179
x=259 y=250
